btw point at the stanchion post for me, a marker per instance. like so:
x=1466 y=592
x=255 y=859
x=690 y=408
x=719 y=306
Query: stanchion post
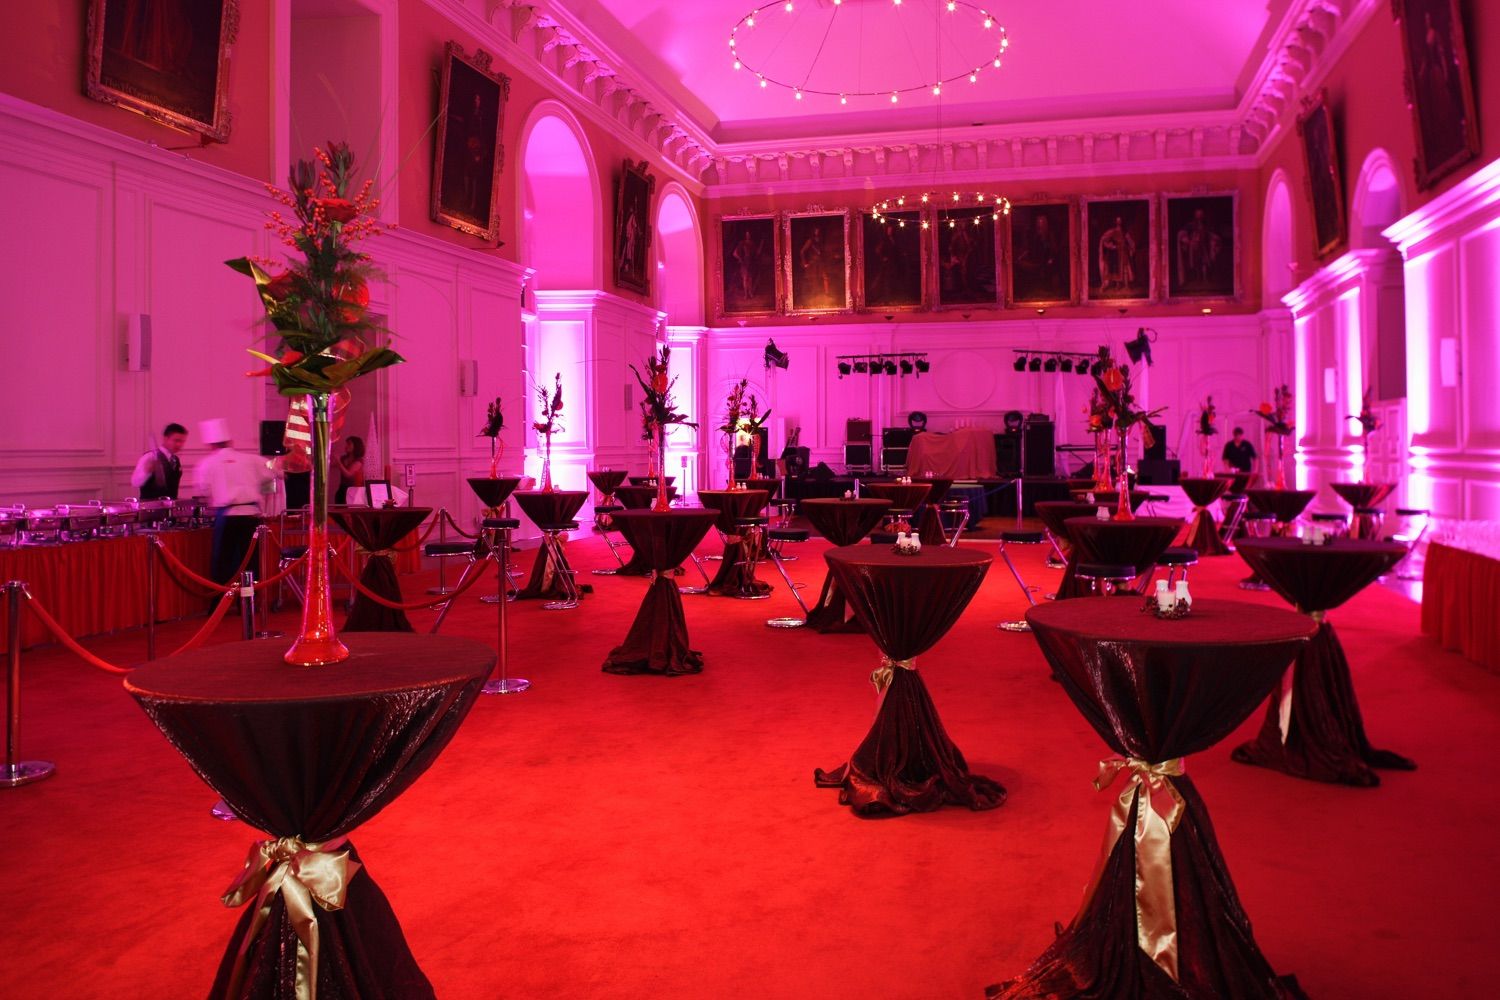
x=442 y=587
x=247 y=605
x=151 y=544
x=17 y=772
x=504 y=684
x=262 y=557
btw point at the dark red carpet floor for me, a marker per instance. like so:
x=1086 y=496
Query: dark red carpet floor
x=645 y=837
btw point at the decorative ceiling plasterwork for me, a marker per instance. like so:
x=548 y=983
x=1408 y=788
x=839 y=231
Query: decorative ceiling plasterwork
x=1310 y=37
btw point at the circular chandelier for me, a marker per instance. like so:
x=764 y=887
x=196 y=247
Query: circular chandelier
x=890 y=207
x=821 y=48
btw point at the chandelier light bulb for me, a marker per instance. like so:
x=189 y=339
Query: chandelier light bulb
x=902 y=224
x=937 y=88
x=974 y=76
x=952 y=6
x=843 y=99
x=951 y=223
x=955 y=196
x=763 y=82
x=750 y=20
x=988 y=22
x=731 y=43
x=797 y=94
x=894 y=97
x=997 y=62
x=924 y=199
x=788 y=6
x=925 y=224
x=736 y=64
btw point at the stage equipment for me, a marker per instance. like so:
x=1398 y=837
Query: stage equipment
x=1140 y=347
x=902 y=363
x=775 y=357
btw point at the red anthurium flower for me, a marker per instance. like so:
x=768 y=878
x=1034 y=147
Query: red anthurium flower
x=281 y=286
x=337 y=209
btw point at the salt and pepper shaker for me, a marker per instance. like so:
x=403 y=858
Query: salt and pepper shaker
x=1102 y=513
x=1163 y=596
x=1182 y=596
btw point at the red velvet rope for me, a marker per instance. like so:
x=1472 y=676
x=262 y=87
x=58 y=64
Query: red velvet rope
x=417 y=606
x=198 y=638
x=177 y=566
x=422 y=537
x=456 y=527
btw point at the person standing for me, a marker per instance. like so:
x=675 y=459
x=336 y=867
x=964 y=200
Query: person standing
x=233 y=483
x=1239 y=454
x=158 y=473
x=351 y=465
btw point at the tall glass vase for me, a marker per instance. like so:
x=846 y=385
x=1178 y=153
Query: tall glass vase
x=1101 y=461
x=547 y=463
x=1122 y=507
x=729 y=445
x=318 y=643
x=663 y=499
x=1281 y=461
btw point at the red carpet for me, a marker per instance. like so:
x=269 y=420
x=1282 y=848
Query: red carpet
x=651 y=837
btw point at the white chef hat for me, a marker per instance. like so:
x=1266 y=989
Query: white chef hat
x=215 y=431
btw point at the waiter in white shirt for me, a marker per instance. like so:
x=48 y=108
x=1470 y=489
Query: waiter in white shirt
x=158 y=473
x=233 y=483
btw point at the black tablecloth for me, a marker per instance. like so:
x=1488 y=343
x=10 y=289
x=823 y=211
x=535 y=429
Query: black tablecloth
x=930 y=525
x=377 y=530
x=544 y=508
x=1136 y=543
x=842 y=522
x=1359 y=495
x=907 y=763
x=494 y=492
x=1156 y=691
x=658 y=639
x=1203 y=530
x=735 y=578
x=606 y=480
x=1285 y=505
x=1314 y=729
x=311 y=753
x=640 y=497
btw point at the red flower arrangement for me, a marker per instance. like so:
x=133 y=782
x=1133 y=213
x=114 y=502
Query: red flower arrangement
x=1369 y=423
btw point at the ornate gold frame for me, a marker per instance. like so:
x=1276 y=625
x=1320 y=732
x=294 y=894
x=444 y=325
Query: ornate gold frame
x=720 y=313
x=934 y=276
x=479 y=63
x=924 y=254
x=1430 y=174
x=1074 y=242
x=1165 y=248
x=1153 y=237
x=216 y=130
x=640 y=171
x=788 y=300
x=1317 y=106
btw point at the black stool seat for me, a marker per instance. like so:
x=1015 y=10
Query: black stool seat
x=1260 y=515
x=953 y=504
x=298 y=551
x=1155 y=498
x=1235 y=496
x=788 y=534
x=442 y=548
x=501 y=523
x=1024 y=537
x=1177 y=555
x=1106 y=571
x=882 y=538
x=1340 y=518
x=751 y=522
x=1412 y=512
x=607 y=508
x=1369 y=510
x=898 y=511
x=559 y=526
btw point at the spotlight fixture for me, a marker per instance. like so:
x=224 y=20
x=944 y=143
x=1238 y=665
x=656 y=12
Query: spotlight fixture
x=923 y=366
x=775 y=357
x=860 y=367
x=1050 y=365
x=1020 y=364
x=1140 y=347
x=1065 y=365
x=905 y=363
x=1035 y=365
x=1083 y=368
x=844 y=368
x=906 y=367
x=890 y=367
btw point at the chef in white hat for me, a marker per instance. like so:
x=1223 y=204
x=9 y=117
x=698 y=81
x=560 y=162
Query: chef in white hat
x=234 y=483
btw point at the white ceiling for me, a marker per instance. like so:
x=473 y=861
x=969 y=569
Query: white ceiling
x=1068 y=59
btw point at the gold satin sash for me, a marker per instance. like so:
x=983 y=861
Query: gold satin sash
x=304 y=874
x=1284 y=707
x=882 y=678
x=1155 y=820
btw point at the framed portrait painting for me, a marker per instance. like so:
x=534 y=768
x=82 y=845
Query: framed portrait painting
x=967 y=257
x=165 y=59
x=1039 y=268
x=633 y=228
x=1325 y=185
x=746 y=266
x=892 y=261
x=1201 y=249
x=466 y=165
x=1439 y=86
x=817 y=261
x=1118 y=249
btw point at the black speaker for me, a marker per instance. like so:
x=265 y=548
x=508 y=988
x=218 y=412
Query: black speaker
x=857 y=455
x=895 y=437
x=1041 y=460
x=1160 y=471
x=272 y=432
x=1158 y=450
x=1007 y=455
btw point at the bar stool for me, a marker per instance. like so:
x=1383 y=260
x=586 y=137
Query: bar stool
x=1019 y=538
x=1258 y=524
x=1106 y=579
x=1176 y=561
x=751 y=530
x=1333 y=524
x=497 y=534
x=953 y=518
x=776 y=540
x=1411 y=527
x=552 y=549
x=1368 y=523
x=1234 y=511
x=607 y=528
x=784 y=509
x=898 y=519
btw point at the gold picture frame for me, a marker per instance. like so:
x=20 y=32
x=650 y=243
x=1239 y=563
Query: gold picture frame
x=1118 y=236
x=1322 y=176
x=817 y=274
x=165 y=59
x=1030 y=273
x=469 y=155
x=1439 y=86
x=1196 y=265
x=747 y=270
x=632 y=244
x=885 y=262
x=965 y=269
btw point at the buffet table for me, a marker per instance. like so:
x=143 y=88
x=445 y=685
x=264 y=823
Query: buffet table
x=1460 y=592
x=966 y=453
x=100 y=585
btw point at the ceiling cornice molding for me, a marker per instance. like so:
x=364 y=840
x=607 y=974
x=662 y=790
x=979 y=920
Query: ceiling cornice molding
x=550 y=43
x=1308 y=41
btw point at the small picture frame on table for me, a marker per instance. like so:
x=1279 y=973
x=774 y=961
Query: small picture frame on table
x=378 y=492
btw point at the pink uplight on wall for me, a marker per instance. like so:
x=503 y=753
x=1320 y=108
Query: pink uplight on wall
x=1303 y=387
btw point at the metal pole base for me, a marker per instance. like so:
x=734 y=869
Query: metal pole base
x=25 y=772
x=222 y=811
x=1055 y=563
x=506 y=685
x=495 y=599
x=692 y=590
x=270 y=635
x=441 y=591
x=565 y=605
x=752 y=597
x=1016 y=626
x=605 y=572
x=1254 y=585
x=785 y=622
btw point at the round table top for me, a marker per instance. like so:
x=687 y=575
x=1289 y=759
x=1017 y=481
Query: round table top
x=1055 y=514
x=1136 y=542
x=903 y=496
x=1363 y=494
x=1203 y=491
x=1238 y=481
x=1319 y=577
x=1212 y=622
x=255 y=671
x=378 y=528
x=555 y=507
x=844 y=522
x=771 y=486
x=494 y=492
x=1286 y=505
x=639 y=497
x=650 y=480
x=605 y=480
x=884 y=558
x=664 y=538
x=907 y=603
x=940 y=487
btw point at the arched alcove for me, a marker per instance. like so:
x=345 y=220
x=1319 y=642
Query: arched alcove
x=561 y=233
x=679 y=259
x=1375 y=206
x=1376 y=203
x=1278 y=243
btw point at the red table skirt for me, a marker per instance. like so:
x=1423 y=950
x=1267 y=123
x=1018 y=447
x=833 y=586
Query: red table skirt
x=1460 y=592
x=100 y=585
